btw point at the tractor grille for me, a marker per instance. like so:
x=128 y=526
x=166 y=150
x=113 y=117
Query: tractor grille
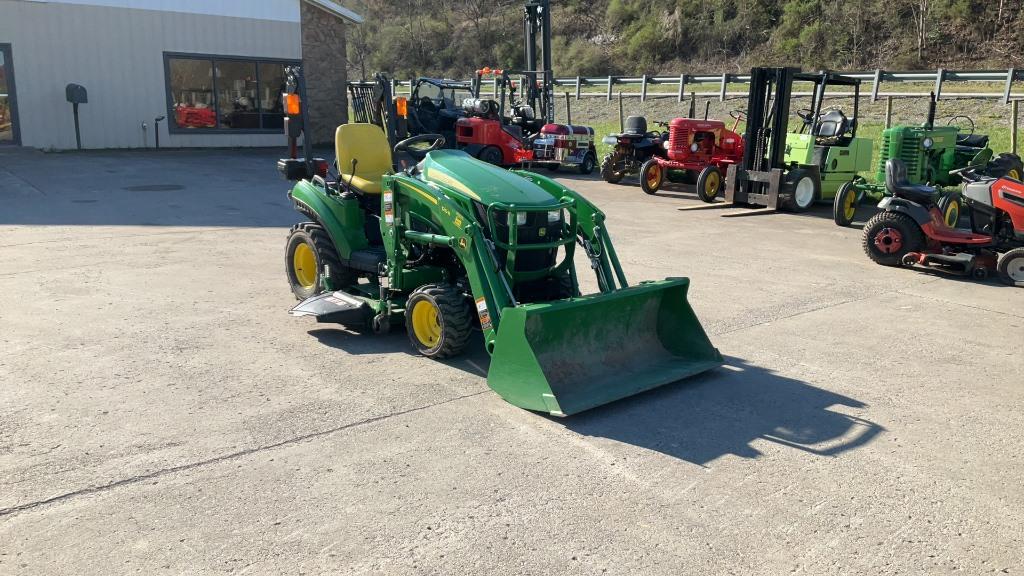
x=907 y=149
x=679 y=138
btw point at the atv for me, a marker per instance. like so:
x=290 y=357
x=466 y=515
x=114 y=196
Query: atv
x=911 y=230
x=634 y=146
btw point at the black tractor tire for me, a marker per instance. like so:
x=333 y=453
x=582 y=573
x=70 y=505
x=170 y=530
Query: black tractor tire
x=608 y=172
x=844 y=207
x=438 y=320
x=588 y=164
x=951 y=205
x=1011 y=267
x=306 y=283
x=492 y=155
x=710 y=183
x=1008 y=165
x=797 y=197
x=889 y=236
x=553 y=166
x=651 y=176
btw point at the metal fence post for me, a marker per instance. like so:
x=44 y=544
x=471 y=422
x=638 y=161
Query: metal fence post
x=610 y=80
x=643 y=89
x=577 y=87
x=622 y=120
x=1014 y=108
x=888 y=111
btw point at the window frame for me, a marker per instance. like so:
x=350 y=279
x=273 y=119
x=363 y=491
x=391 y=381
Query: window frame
x=212 y=59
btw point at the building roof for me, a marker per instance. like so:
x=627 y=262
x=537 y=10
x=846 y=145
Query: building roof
x=338 y=10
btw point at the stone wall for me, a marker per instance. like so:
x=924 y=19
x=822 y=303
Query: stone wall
x=323 y=58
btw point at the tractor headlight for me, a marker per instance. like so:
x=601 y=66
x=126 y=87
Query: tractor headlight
x=665 y=144
x=694 y=147
x=521 y=218
x=612 y=140
x=554 y=216
x=927 y=143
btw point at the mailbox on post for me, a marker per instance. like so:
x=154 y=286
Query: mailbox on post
x=76 y=94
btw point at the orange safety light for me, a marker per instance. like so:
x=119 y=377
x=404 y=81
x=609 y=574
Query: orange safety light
x=402 y=106
x=292 y=104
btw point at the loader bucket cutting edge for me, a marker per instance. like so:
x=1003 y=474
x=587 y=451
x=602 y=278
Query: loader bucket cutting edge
x=568 y=356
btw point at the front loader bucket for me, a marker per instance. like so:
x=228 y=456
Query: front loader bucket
x=568 y=356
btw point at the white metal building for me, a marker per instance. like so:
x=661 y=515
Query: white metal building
x=213 y=69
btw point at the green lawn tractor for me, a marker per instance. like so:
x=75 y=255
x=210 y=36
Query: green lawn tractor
x=451 y=245
x=930 y=153
x=807 y=166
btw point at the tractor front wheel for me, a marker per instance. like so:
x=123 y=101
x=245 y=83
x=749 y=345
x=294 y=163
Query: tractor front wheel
x=709 y=183
x=949 y=205
x=608 y=171
x=651 y=176
x=1008 y=165
x=439 y=320
x=308 y=253
x=492 y=155
x=889 y=236
x=588 y=164
x=1011 y=267
x=845 y=206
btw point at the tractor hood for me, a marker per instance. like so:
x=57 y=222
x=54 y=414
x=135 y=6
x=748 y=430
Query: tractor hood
x=477 y=180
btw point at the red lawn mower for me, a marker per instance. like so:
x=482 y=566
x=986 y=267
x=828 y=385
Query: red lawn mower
x=702 y=147
x=911 y=231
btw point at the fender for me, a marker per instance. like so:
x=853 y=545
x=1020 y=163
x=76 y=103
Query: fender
x=919 y=213
x=342 y=218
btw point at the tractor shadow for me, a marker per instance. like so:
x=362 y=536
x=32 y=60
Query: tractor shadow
x=725 y=411
x=474 y=359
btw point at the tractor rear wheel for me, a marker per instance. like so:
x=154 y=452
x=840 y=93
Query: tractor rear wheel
x=608 y=171
x=709 y=183
x=588 y=164
x=950 y=205
x=1008 y=165
x=651 y=176
x=308 y=252
x=439 y=320
x=889 y=236
x=492 y=155
x=802 y=189
x=1011 y=267
x=845 y=206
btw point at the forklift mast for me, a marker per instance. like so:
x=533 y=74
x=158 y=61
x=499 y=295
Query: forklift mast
x=537 y=26
x=767 y=116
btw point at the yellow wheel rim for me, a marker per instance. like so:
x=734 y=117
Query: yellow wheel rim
x=952 y=213
x=711 y=184
x=653 y=175
x=1013 y=174
x=849 y=201
x=304 y=265
x=426 y=323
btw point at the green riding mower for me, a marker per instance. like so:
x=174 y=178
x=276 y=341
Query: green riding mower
x=934 y=156
x=451 y=246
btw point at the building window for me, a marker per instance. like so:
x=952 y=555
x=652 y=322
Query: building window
x=224 y=94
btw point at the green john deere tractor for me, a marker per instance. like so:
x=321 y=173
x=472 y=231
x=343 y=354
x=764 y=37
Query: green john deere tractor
x=451 y=245
x=930 y=153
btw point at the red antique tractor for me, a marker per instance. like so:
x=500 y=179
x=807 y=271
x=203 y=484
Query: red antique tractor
x=702 y=147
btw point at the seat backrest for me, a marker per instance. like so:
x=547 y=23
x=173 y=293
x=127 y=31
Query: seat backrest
x=895 y=174
x=832 y=125
x=636 y=125
x=368 y=145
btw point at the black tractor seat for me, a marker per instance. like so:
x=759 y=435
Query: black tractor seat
x=832 y=127
x=898 y=185
x=368 y=259
x=635 y=126
x=972 y=140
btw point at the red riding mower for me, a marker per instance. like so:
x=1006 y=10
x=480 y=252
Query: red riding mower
x=634 y=146
x=911 y=230
x=702 y=147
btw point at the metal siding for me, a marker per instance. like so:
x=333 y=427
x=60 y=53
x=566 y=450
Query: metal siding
x=279 y=10
x=117 y=54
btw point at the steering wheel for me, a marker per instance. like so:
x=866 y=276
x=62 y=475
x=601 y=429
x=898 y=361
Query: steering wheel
x=738 y=114
x=806 y=115
x=420 y=153
x=968 y=173
x=968 y=118
x=661 y=123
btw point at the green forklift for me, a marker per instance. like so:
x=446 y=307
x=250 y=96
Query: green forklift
x=930 y=153
x=807 y=166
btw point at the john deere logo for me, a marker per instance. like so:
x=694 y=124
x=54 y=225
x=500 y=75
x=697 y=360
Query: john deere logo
x=463 y=243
